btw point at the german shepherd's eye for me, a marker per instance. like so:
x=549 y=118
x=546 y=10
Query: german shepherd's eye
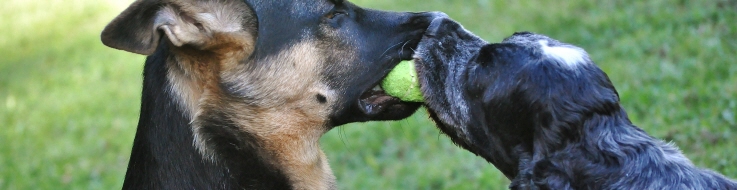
x=336 y=13
x=336 y=18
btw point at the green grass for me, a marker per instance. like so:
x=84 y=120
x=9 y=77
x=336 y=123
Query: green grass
x=69 y=105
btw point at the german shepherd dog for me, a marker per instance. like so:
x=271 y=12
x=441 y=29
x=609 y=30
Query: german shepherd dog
x=544 y=114
x=236 y=94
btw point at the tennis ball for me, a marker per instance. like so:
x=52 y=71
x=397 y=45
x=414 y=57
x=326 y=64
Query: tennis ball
x=402 y=83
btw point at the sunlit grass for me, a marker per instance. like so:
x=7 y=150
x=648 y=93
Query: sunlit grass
x=69 y=105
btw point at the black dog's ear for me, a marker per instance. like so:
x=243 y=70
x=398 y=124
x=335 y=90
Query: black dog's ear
x=139 y=28
x=488 y=53
x=498 y=53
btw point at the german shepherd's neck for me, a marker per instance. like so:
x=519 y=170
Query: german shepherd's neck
x=164 y=156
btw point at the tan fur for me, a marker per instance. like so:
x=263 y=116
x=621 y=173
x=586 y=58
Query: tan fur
x=193 y=72
x=287 y=119
x=221 y=44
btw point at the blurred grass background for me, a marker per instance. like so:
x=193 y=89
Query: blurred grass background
x=69 y=106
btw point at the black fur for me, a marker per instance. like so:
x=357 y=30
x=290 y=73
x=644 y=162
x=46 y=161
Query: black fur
x=546 y=119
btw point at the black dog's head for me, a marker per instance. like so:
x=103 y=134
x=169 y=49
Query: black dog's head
x=497 y=99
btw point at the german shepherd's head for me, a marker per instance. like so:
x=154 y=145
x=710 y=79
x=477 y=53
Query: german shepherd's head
x=268 y=75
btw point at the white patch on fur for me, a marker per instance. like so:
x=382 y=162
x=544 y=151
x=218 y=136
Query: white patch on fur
x=569 y=56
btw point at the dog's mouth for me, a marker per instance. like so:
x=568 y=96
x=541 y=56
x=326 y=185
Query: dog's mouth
x=371 y=102
x=375 y=101
x=379 y=105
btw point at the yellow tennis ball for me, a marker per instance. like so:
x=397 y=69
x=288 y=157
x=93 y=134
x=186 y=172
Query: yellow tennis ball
x=402 y=83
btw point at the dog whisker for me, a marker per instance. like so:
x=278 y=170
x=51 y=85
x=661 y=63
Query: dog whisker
x=400 y=49
x=387 y=49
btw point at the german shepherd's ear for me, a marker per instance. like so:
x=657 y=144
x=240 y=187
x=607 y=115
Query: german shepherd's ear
x=139 y=28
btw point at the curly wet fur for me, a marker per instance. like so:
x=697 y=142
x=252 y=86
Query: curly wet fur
x=544 y=114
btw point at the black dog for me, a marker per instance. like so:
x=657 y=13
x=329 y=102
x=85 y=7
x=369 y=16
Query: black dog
x=544 y=114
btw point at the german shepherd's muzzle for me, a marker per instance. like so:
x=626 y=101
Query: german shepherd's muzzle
x=237 y=93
